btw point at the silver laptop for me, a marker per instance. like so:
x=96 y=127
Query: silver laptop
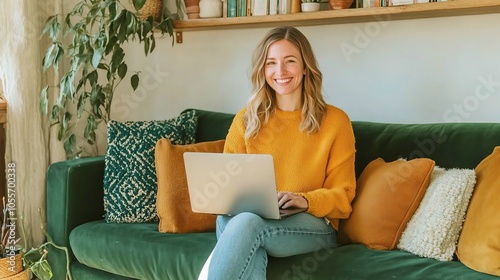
x=228 y=184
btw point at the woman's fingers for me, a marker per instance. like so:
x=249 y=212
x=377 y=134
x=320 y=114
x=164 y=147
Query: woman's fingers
x=291 y=200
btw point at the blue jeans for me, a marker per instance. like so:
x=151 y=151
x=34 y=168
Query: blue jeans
x=245 y=241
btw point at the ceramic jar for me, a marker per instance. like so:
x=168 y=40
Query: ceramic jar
x=340 y=4
x=310 y=7
x=192 y=9
x=210 y=8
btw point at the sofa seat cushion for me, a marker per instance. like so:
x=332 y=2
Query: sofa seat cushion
x=358 y=262
x=140 y=251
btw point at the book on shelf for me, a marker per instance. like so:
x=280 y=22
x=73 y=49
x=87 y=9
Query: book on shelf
x=224 y=8
x=259 y=8
x=387 y=3
x=401 y=2
x=285 y=6
x=241 y=8
x=273 y=7
x=231 y=8
x=249 y=7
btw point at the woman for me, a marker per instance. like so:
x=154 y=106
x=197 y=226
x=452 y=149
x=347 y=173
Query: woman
x=312 y=144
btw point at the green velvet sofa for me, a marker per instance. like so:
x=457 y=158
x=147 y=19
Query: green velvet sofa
x=100 y=250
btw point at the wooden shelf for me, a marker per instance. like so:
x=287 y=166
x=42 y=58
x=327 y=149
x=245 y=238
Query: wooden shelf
x=415 y=11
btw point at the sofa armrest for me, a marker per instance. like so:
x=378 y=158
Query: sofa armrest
x=74 y=196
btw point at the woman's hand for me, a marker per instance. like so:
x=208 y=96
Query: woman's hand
x=289 y=200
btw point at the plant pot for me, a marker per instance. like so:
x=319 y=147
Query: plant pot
x=23 y=275
x=340 y=4
x=192 y=8
x=10 y=266
x=309 y=7
x=152 y=8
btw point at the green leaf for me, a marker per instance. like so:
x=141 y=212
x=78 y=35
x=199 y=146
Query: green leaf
x=49 y=57
x=67 y=21
x=134 y=81
x=49 y=25
x=66 y=120
x=89 y=132
x=81 y=105
x=153 y=43
x=93 y=77
x=146 y=46
x=122 y=33
x=117 y=58
x=130 y=21
x=111 y=44
x=55 y=113
x=60 y=132
x=146 y=27
x=112 y=8
x=139 y=33
x=81 y=83
x=69 y=145
x=58 y=56
x=103 y=66
x=96 y=58
x=109 y=73
x=66 y=87
x=122 y=70
x=33 y=255
x=138 y=4
x=44 y=100
x=54 y=30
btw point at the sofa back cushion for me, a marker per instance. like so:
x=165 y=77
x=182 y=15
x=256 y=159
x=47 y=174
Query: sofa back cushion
x=450 y=145
x=212 y=125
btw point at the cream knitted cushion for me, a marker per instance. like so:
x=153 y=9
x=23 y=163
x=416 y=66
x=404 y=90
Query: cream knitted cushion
x=434 y=229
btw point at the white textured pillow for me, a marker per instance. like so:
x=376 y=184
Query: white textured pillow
x=434 y=229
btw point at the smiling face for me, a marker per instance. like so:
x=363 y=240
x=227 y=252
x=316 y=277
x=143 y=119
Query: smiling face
x=284 y=71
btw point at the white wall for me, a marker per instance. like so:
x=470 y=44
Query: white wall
x=410 y=71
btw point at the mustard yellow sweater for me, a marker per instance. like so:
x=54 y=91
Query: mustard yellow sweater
x=318 y=166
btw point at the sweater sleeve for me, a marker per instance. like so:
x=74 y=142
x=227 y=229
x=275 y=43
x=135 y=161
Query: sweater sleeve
x=235 y=139
x=334 y=199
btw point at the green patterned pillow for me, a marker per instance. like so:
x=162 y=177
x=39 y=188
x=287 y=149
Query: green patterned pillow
x=129 y=175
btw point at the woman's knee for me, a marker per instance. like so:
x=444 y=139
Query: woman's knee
x=243 y=222
x=247 y=219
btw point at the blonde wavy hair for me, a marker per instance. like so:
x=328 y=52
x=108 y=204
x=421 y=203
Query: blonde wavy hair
x=263 y=99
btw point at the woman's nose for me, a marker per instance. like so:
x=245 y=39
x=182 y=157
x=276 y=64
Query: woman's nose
x=281 y=68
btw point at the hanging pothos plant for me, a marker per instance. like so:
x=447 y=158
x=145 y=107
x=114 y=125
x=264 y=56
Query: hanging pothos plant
x=93 y=33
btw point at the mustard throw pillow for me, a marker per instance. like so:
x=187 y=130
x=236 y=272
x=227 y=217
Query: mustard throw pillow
x=479 y=243
x=172 y=200
x=387 y=195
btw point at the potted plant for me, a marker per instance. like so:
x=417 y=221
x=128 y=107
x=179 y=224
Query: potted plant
x=310 y=5
x=36 y=261
x=15 y=260
x=94 y=32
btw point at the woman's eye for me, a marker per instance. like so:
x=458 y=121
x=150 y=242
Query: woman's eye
x=270 y=63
